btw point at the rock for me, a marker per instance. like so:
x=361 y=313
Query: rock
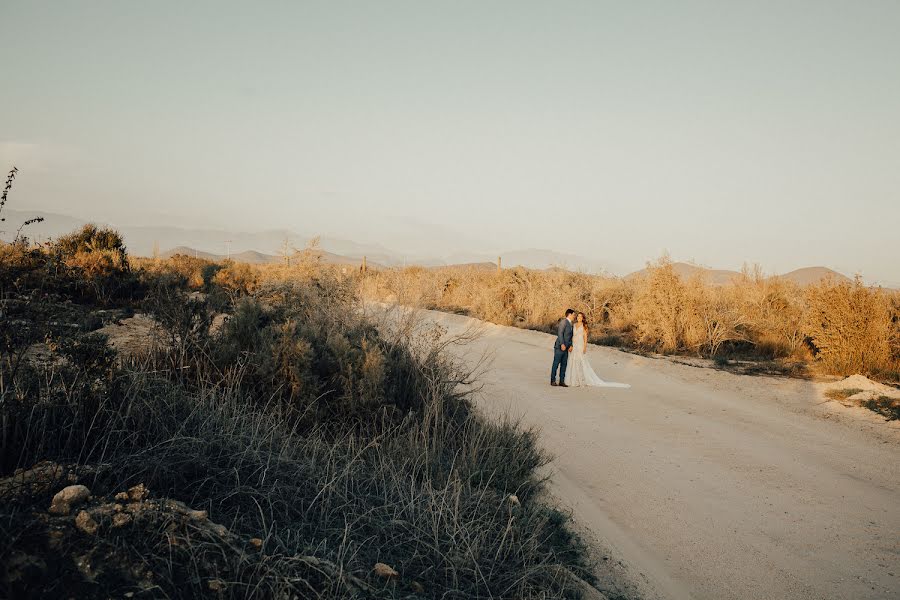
x=86 y=523
x=39 y=479
x=68 y=497
x=385 y=571
x=121 y=519
x=138 y=493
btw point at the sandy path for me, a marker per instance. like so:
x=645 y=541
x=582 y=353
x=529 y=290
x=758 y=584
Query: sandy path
x=708 y=484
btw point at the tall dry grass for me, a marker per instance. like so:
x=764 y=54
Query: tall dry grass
x=319 y=443
x=832 y=327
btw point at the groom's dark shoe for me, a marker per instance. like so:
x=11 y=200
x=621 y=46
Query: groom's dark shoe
x=553 y=383
x=563 y=385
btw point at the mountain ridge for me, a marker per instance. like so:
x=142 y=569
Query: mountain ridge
x=801 y=276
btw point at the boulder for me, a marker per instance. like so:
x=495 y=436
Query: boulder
x=68 y=497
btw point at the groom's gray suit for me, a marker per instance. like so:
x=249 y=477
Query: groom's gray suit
x=561 y=357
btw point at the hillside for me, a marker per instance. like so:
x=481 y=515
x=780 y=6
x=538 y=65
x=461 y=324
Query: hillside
x=804 y=276
x=686 y=271
x=481 y=266
x=810 y=275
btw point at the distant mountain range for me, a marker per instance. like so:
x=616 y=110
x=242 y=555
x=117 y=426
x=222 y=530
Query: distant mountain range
x=266 y=247
x=258 y=258
x=805 y=276
x=145 y=240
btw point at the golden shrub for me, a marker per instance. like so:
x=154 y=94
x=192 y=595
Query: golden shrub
x=237 y=278
x=664 y=309
x=852 y=328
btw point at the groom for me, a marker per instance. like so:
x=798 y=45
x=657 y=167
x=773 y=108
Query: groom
x=561 y=348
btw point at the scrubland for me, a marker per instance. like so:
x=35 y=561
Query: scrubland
x=267 y=441
x=834 y=328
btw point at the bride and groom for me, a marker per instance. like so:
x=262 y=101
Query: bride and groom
x=571 y=340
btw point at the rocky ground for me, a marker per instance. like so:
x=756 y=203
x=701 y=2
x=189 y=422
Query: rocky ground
x=132 y=545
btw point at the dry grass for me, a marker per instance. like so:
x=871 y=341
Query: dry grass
x=832 y=327
x=334 y=444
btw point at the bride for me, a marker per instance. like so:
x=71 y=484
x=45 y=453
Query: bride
x=580 y=372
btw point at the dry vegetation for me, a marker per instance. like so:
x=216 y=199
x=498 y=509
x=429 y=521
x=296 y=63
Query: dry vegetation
x=832 y=327
x=273 y=442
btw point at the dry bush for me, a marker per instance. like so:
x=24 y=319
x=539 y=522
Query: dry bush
x=665 y=309
x=238 y=279
x=90 y=265
x=852 y=328
x=91 y=238
x=721 y=318
x=195 y=273
x=774 y=309
x=18 y=261
x=99 y=270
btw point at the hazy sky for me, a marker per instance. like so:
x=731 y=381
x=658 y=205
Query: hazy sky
x=722 y=132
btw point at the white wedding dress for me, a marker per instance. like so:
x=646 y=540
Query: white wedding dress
x=579 y=372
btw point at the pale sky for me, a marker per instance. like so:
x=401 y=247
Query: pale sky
x=722 y=132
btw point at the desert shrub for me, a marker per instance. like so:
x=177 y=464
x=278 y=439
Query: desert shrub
x=663 y=310
x=721 y=321
x=17 y=261
x=237 y=279
x=97 y=261
x=192 y=272
x=185 y=320
x=852 y=328
x=92 y=259
x=89 y=265
x=306 y=346
x=91 y=238
x=100 y=272
x=774 y=312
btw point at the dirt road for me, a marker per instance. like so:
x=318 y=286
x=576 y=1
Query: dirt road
x=708 y=484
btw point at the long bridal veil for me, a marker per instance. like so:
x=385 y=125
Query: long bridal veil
x=580 y=373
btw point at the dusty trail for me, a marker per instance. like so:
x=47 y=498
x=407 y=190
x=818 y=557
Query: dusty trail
x=708 y=484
